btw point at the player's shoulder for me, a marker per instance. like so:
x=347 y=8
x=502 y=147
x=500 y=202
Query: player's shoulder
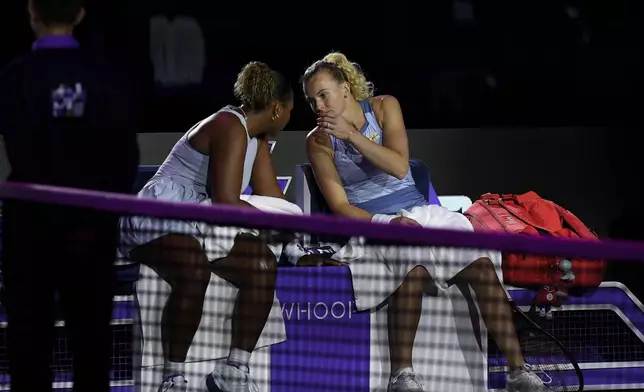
x=379 y=99
x=313 y=133
x=227 y=116
x=384 y=102
x=316 y=137
x=223 y=121
x=383 y=105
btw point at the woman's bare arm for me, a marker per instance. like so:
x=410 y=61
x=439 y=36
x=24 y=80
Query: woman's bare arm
x=392 y=157
x=320 y=152
x=227 y=149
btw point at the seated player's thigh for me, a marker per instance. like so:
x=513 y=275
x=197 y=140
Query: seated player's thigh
x=174 y=257
x=449 y=260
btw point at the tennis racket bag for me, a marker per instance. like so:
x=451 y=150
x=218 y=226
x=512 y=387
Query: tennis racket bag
x=531 y=215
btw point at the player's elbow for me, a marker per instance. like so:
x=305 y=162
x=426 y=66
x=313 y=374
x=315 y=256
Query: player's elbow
x=401 y=170
x=400 y=175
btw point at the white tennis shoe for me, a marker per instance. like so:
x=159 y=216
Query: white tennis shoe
x=228 y=378
x=176 y=383
x=525 y=380
x=406 y=381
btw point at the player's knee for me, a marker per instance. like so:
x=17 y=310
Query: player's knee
x=200 y=269
x=179 y=260
x=483 y=269
x=458 y=221
x=418 y=277
x=261 y=271
x=192 y=274
x=266 y=264
x=190 y=267
x=446 y=219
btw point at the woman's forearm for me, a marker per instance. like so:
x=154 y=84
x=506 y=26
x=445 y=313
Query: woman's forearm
x=381 y=157
x=349 y=211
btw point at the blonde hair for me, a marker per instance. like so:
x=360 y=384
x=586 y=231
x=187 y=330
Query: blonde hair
x=258 y=86
x=343 y=70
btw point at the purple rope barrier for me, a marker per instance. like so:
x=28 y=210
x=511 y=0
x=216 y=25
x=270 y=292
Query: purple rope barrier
x=321 y=224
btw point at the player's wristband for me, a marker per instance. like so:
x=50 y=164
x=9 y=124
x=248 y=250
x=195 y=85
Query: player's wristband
x=382 y=218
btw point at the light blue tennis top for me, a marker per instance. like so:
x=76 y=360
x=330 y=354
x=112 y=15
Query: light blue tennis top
x=366 y=186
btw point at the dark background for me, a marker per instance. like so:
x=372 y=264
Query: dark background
x=548 y=68
x=520 y=97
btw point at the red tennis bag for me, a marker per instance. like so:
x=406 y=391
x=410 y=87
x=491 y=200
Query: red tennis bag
x=530 y=214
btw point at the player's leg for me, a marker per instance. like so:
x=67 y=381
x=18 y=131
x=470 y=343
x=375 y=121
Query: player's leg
x=496 y=313
x=86 y=295
x=252 y=267
x=181 y=261
x=28 y=258
x=494 y=307
x=476 y=268
x=403 y=316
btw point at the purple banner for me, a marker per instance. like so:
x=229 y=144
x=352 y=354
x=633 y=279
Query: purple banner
x=328 y=346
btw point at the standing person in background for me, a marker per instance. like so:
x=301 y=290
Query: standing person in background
x=67 y=121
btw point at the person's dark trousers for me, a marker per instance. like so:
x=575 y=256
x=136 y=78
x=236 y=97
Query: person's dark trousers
x=70 y=251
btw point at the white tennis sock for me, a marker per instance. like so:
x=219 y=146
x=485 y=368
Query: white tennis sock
x=239 y=358
x=171 y=369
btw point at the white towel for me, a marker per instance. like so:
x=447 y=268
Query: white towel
x=218 y=240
